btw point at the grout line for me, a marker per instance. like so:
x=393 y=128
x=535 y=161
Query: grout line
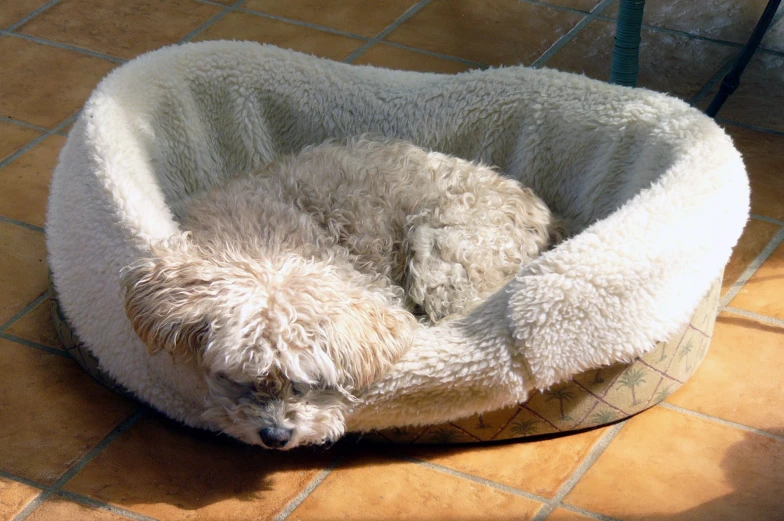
x=65 y=46
x=67 y=121
x=556 y=7
x=752 y=268
x=586 y=464
x=411 y=11
x=563 y=40
x=18 y=24
x=436 y=54
x=48 y=492
x=90 y=456
x=766 y=219
x=684 y=34
x=102 y=505
x=23 y=481
x=25 y=310
x=748 y=126
x=32 y=143
x=309 y=488
x=23 y=124
x=778 y=18
x=755 y=316
x=36 y=501
x=586 y=513
x=714 y=80
x=32 y=505
x=226 y=10
x=765 y=50
x=296 y=22
x=19 y=223
x=36 y=345
x=87 y=458
x=548 y=504
x=55 y=489
x=720 y=421
x=476 y=479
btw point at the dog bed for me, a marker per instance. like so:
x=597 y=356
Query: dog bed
x=608 y=323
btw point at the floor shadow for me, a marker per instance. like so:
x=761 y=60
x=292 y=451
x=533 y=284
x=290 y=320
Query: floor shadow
x=754 y=469
x=160 y=465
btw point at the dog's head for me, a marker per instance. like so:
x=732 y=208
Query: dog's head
x=283 y=342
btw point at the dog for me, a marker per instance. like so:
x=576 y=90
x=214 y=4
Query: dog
x=295 y=286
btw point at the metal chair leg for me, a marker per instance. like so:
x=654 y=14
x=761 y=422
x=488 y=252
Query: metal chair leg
x=732 y=80
x=625 y=57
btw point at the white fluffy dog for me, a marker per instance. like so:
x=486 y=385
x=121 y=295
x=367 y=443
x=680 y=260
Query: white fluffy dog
x=295 y=286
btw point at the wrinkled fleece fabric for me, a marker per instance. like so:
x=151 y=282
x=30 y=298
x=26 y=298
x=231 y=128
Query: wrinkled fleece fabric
x=654 y=194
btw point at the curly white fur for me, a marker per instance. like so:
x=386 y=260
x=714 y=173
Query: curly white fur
x=292 y=287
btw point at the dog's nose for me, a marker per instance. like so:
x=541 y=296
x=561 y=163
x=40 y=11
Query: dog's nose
x=274 y=437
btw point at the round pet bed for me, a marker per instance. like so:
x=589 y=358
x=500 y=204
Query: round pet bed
x=654 y=195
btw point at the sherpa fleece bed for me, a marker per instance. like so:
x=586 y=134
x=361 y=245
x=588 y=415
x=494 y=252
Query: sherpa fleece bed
x=609 y=322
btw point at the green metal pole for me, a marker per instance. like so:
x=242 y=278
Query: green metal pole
x=627 y=43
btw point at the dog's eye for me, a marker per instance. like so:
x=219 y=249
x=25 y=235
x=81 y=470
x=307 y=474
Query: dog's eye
x=228 y=381
x=298 y=389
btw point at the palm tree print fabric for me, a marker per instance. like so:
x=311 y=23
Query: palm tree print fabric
x=593 y=398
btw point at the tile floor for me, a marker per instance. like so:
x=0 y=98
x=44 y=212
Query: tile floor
x=70 y=449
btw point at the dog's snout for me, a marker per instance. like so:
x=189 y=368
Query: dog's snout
x=274 y=437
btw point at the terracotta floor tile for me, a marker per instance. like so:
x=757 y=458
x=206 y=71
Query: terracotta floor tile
x=764 y=291
x=371 y=487
x=668 y=63
x=351 y=16
x=728 y=20
x=43 y=85
x=59 y=412
x=774 y=37
x=740 y=378
x=13 y=137
x=60 y=509
x=23 y=269
x=755 y=237
x=498 y=32
x=581 y=5
x=763 y=154
x=121 y=28
x=167 y=472
x=25 y=182
x=561 y=514
x=11 y=11
x=14 y=497
x=243 y=26
x=668 y=465
x=391 y=57
x=37 y=326
x=563 y=455
x=759 y=100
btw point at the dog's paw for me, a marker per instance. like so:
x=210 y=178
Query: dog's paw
x=471 y=241
x=436 y=280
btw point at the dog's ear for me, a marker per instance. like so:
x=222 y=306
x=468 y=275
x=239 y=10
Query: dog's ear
x=166 y=301
x=351 y=334
x=366 y=340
